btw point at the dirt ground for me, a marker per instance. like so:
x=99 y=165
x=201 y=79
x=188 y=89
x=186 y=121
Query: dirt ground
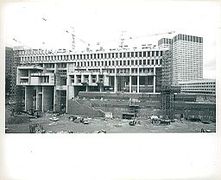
x=64 y=125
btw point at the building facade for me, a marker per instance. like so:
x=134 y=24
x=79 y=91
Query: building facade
x=203 y=86
x=187 y=53
x=187 y=57
x=51 y=79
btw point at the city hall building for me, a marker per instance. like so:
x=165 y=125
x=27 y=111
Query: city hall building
x=50 y=79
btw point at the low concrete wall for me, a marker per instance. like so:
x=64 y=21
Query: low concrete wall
x=77 y=108
x=186 y=105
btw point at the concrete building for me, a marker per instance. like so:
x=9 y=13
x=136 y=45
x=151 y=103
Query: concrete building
x=187 y=57
x=9 y=61
x=51 y=79
x=187 y=53
x=202 y=86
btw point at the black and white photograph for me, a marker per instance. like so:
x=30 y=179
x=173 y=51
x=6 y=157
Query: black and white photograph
x=113 y=69
x=102 y=70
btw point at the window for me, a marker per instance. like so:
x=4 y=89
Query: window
x=124 y=63
x=128 y=62
x=140 y=62
x=136 y=54
x=144 y=54
x=116 y=55
x=124 y=54
x=84 y=56
x=109 y=63
x=120 y=55
x=148 y=62
x=140 y=54
x=120 y=63
x=94 y=56
x=128 y=54
x=156 y=61
x=101 y=56
x=148 y=53
x=132 y=62
x=77 y=56
x=112 y=55
x=132 y=54
x=152 y=53
x=91 y=56
x=157 y=53
x=144 y=62
x=112 y=63
x=98 y=56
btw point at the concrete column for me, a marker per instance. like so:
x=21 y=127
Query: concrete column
x=101 y=88
x=47 y=98
x=38 y=100
x=138 y=80
x=87 y=88
x=130 y=83
x=115 y=83
x=55 y=99
x=138 y=83
x=154 y=80
x=97 y=78
x=28 y=98
x=89 y=79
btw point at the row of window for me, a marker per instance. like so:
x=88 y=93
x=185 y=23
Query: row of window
x=119 y=63
x=96 y=56
x=188 y=38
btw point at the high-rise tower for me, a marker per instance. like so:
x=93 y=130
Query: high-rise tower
x=187 y=52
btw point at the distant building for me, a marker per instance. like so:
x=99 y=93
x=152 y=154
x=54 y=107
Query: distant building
x=9 y=62
x=202 y=86
x=187 y=57
x=165 y=43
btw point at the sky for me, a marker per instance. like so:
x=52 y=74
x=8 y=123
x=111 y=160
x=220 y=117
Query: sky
x=43 y=24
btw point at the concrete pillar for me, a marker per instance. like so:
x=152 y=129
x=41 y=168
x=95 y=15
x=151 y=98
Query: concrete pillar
x=138 y=83
x=55 y=99
x=47 y=99
x=87 y=87
x=130 y=83
x=28 y=98
x=89 y=79
x=154 y=80
x=38 y=99
x=115 y=83
x=101 y=88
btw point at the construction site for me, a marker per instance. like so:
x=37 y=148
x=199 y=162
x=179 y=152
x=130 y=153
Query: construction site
x=135 y=87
